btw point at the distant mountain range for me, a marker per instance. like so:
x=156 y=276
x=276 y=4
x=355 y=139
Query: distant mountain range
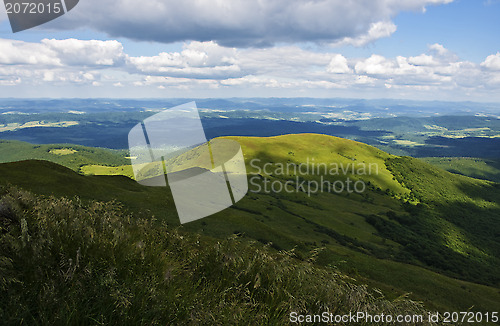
x=398 y=127
x=376 y=108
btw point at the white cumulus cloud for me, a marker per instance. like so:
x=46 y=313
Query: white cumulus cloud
x=243 y=23
x=79 y=52
x=492 y=62
x=375 y=65
x=338 y=65
x=377 y=31
x=208 y=66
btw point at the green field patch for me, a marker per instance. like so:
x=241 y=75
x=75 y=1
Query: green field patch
x=125 y=170
x=63 y=151
x=37 y=124
x=408 y=143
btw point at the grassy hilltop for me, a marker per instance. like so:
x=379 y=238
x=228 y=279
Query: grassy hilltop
x=415 y=229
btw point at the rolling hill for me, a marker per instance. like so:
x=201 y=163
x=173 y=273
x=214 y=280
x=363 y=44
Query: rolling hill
x=71 y=156
x=479 y=168
x=415 y=228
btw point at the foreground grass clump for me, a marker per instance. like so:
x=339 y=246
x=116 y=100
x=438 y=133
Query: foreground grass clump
x=65 y=262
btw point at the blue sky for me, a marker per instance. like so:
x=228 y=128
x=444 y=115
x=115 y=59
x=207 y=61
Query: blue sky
x=414 y=49
x=467 y=27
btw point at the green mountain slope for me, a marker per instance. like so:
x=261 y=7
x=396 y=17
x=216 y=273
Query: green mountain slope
x=486 y=169
x=48 y=178
x=393 y=236
x=71 y=156
x=317 y=149
x=448 y=222
x=64 y=262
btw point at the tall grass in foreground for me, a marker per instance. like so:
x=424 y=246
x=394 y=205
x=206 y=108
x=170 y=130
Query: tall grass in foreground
x=63 y=262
